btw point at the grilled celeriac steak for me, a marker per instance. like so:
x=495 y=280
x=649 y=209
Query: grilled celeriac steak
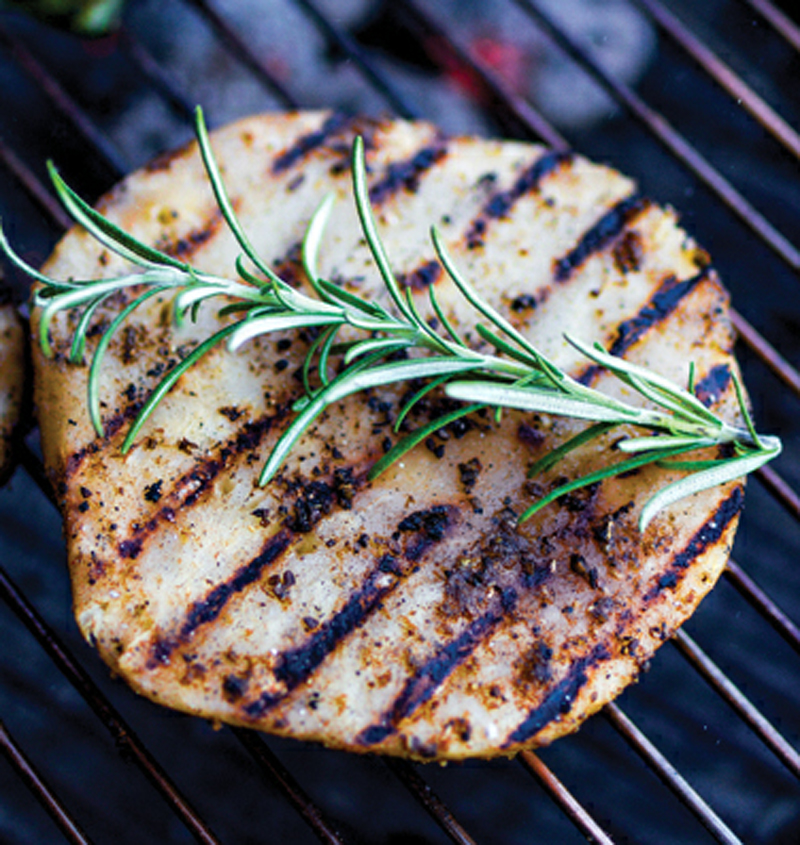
x=12 y=384
x=412 y=615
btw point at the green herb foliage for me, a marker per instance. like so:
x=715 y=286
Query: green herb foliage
x=514 y=374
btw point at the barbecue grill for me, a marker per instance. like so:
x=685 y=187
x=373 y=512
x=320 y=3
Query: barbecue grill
x=704 y=747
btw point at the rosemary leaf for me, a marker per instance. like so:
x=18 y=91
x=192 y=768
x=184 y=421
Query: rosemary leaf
x=420 y=394
x=555 y=456
x=538 y=399
x=705 y=479
x=665 y=441
x=221 y=194
x=407 y=443
x=166 y=384
x=108 y=233
x=599 y=475
x=100 y=351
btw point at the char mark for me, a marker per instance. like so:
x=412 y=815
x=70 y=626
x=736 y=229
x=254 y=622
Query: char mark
x=658 y=308
x=431 y=675
x=422 y=277
x=306 y=144
x=189 y=488
x=663 y=302
x=186 y=245
x=709 y=534
x=500 y=204
x=298 y=664
x=295 y=666
x=424 y=528
x=111 y=427
x=209 y=608
x=712 y=386
x=406 y=175
x=559 y=702
x=599 y=236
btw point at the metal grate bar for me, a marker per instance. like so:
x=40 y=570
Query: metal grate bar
x=421 y=790
x=278 y=774
x=781 y=490
x=738 y=701
x=443 y=48
x=718 y=70
x=574 y=810
x=780 y=22
x=369 y=69
x=764 y=604
x=670 y=776
x=34 y=187
x=672 y=140
x=33 y=780
x=155 y=74
x=63 y=102
x=767 y=353
x=244 y=52
x=123 y=735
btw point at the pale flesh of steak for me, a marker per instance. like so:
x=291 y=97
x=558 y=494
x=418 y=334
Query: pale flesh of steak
x=412 y=615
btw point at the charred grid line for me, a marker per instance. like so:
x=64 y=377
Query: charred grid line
x=188 y=489
x=298 y=664
x=406 y=175
x=501 y=203
x=305 y=144
x=559 y=702
x=599 y=236
x=111 y=426
x=709 y=534
x=658 y=308
x=186 y=245
x=422 y=277
x=430 y=676
x=209 y=608
x=713 y=385
x=663 y=302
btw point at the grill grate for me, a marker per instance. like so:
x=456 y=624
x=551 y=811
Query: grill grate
x=739 y=785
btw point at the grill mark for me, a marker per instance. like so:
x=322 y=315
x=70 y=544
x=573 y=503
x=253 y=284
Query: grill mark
x=500 y=204
x=559 y=702
x=306 y=144
x=663 y=302
x=111 y=426
x=713 y=385
x=188 y=489
x=422 y=277
x=208 y=609
x=186 y=245
x=709 y=534
x=600 y=235
x=296 y=665
x=657 y=309
x=429 y=677
x=405 y=175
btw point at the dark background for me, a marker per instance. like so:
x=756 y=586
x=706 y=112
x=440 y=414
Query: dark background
x=497 y=801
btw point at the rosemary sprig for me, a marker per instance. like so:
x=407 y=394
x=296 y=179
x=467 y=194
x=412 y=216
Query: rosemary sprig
x=514 y=374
